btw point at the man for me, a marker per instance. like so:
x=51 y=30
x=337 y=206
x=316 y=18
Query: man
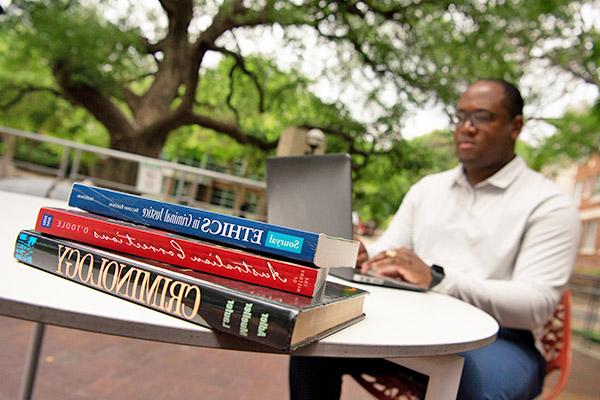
x=505 y=236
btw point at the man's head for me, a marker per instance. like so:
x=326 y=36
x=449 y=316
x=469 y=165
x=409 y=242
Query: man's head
x=488 y=121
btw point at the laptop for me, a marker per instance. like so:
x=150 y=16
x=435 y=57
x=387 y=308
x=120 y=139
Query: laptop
x=314 y=193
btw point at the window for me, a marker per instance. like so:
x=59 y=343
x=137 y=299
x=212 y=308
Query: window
x=180 y=187
x=222 y=197
x=209 y=162
x=214 y=166
x=201 y=193
x=590 y=234
x=239 y=167
x=251 y=202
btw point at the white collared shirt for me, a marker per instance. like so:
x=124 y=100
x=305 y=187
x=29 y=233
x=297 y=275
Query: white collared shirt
x=507 y=244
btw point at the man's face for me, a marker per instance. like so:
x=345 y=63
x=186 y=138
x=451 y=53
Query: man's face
x=485 y=134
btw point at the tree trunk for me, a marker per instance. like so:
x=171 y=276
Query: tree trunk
x=123 y=171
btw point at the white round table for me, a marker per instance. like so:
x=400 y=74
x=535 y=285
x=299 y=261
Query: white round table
x=423 y=331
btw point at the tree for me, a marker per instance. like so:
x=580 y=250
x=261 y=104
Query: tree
x=289 y=103
x=141 y=85
x=577 y=136
x=575 y=47
x=384 y=181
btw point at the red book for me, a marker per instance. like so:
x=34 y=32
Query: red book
x=182 y=251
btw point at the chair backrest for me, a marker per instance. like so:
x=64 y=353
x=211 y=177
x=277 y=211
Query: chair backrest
x=556 y=340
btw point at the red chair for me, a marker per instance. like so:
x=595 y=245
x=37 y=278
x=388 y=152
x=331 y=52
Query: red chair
x=387 y=387
x=556 y=341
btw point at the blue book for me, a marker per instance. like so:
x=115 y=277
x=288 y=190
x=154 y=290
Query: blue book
x=316 y=248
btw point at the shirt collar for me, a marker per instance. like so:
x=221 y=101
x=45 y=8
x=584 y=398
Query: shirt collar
x=501 y=179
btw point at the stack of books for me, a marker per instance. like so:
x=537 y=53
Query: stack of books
x=255 y=280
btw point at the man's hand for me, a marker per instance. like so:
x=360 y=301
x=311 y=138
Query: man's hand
x=400 y=264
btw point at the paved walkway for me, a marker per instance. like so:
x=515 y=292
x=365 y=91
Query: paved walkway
x=37 y=186
x=82 y=365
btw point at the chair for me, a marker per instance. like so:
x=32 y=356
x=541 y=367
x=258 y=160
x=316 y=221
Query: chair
x=556 y=341
x=386 y=387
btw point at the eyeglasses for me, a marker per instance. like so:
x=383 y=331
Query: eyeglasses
x=478 y=118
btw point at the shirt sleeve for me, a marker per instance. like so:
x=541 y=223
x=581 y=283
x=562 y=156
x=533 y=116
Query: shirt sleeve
x=399 y=231
x=542 y=269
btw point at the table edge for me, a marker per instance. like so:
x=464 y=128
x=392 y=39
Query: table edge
x=205 y=337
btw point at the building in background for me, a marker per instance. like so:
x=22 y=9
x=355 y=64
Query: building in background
x=231 y=188
x=248 y=198
x=218 y=192
x=587 y=195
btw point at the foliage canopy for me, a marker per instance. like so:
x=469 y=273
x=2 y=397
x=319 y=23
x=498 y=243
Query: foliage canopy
x=140 y=73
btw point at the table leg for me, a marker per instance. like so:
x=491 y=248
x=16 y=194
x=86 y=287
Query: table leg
x=33 y=355
x=444 y=374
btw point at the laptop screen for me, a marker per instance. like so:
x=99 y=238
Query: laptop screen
x=312 y=193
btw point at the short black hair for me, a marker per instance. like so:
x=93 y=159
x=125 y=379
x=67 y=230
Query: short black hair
x=512 y=96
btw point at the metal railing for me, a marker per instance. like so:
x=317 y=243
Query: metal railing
x=69 y=168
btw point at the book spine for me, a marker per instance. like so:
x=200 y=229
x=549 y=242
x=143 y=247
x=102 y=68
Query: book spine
x=192 y=300
x=176 y=250
x=226 y=229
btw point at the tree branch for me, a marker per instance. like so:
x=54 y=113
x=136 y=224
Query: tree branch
x=396 y=12
x=101 y=107
x=240 y=63
x=175 y=64
x=23 y=91
x=231 y=15
x=133 y=100
x=581 y=72
x=151 y=48
x=230 y=94
x=231 y=130
x=181 y=117
x=170 y=7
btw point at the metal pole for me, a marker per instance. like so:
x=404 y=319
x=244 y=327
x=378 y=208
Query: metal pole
x=33 y=355
x=64 y=162
x=180 y=185
x=9 y=153
x=75 y=166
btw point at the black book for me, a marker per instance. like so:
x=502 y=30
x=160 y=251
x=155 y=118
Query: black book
x=278 y=319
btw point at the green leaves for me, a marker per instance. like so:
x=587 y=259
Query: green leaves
x=394 y=53
x=74 y=37
x=386 y=179
x=577 y=136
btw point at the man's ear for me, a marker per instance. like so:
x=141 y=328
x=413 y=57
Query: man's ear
x=518 y=124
